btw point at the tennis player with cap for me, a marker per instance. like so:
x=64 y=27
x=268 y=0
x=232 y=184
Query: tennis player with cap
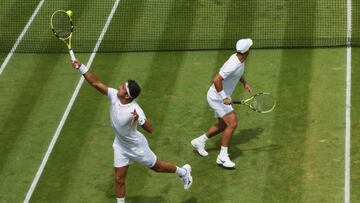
x=219 y=99
x=130 y=145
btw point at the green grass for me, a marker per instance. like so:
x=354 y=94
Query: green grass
x=355 y=127
x=35 y=90
x=309 y=127
x=10 y=10
x=2 y=57
x=88 y=26
x=293 y=154
x=356 y=23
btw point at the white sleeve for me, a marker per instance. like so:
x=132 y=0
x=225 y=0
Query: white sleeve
x=112 y=93
x=140 y=112
x=226 y=70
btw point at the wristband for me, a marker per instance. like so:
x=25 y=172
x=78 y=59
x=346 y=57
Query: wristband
x=83 y=69
x=141 y=121
x=222 y=94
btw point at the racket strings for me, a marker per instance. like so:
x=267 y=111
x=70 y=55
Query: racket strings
x=62 y=25
x=263 y=102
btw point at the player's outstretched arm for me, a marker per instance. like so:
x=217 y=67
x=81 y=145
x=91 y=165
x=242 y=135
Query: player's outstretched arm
x=90 y=77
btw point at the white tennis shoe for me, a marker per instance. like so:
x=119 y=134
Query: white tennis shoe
x=187 y=178
x=199 y=146
x=225 y=161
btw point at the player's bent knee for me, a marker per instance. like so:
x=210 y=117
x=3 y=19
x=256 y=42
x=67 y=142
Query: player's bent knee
x=233 y=124
x=120 y=180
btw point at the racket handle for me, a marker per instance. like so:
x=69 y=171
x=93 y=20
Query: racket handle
x=72 y=55
x=236 y=102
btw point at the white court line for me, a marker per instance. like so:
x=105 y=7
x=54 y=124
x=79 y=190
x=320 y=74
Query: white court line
x=348 y=126
x=69 y=106
x=348 y=103
x=7 y=59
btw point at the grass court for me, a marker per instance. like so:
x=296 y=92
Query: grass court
x=294 y=154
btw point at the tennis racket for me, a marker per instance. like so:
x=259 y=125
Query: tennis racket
x=260 y=102
x=62 y=27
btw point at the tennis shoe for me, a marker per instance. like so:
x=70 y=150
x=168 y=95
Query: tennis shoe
x=225 y=161
x=187 y=178
x=199 y=146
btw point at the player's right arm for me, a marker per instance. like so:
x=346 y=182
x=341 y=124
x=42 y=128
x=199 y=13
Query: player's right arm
x=90 y=77
x=219 y=88
x=147 y=126
x=142 y=120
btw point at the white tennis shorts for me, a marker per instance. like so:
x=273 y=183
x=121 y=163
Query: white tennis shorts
x=219 y=107
x=124 y=156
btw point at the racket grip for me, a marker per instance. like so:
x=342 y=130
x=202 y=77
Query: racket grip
x=236 y=102
x=72 y=55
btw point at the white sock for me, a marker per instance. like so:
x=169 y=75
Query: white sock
x=203 y=138
x=121 y=200
x=180 y=171
x=224 y=151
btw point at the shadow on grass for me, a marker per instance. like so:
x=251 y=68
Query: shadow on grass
x=191 y=200
x=141 y=198
x=244 y=136
x=271 y=147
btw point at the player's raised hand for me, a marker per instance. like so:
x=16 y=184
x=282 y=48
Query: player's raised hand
x=135 y=117
x=76 y=64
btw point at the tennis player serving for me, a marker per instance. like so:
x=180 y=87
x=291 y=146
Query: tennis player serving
x=130 y=145
x=219 y=99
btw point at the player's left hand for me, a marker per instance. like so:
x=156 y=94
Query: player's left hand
x=135 y=117
x=248 y=88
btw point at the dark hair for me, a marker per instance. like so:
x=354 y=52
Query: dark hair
x=242 y=53
x=134 y=88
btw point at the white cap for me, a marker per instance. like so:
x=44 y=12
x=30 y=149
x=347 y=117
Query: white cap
x=243 y=45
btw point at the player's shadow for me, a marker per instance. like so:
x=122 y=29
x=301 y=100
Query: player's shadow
x=242 y=137
x=190 y=200
x=141 y=198
x=245 y=135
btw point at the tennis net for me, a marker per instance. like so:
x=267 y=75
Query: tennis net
x=145 y=25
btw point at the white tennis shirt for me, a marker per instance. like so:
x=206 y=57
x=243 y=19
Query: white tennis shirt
x=231 y=72
x=120 y=119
